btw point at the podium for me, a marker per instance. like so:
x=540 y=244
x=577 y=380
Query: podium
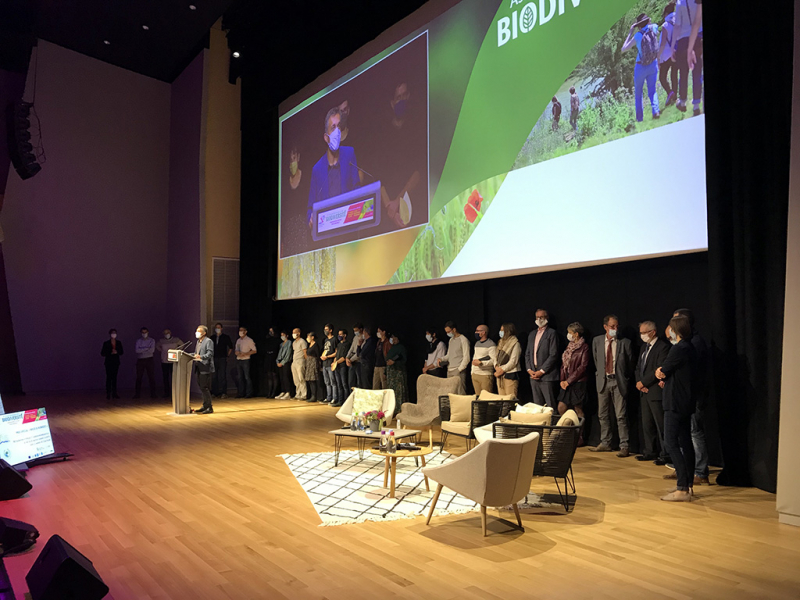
x=181 y=379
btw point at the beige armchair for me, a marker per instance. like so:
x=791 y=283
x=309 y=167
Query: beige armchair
x=426 y=410
x=345 y=413
x=495 y=473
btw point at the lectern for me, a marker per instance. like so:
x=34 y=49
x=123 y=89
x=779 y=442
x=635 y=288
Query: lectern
x=181 y=379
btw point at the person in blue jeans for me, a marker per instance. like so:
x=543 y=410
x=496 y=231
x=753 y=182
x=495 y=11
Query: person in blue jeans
x=644 y=35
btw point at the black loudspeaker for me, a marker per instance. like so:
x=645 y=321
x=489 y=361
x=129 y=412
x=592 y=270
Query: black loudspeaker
x=63 y=573
x=20 y=148
x=12 y=484
x=16 y=536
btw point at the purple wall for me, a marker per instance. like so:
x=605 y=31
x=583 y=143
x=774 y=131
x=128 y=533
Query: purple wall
x=184 y=283
x=87 y=238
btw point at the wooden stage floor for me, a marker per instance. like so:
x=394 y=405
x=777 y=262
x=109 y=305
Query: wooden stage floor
x=200 y=507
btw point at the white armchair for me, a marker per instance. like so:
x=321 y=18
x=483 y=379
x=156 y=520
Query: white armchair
x=345 y=413
x=495 y=473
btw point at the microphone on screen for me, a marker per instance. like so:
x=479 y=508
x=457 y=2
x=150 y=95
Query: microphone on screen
x=362 y=170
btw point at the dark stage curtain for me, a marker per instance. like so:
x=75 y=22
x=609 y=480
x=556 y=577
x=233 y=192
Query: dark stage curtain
x=749 y=94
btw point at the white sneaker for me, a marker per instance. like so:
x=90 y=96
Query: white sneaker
x=282 y=396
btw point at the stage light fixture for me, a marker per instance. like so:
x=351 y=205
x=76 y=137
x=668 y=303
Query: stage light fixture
x=106 y=42
x=236 y=54
x=23 y=153
x=145 y=27
x=192 y=7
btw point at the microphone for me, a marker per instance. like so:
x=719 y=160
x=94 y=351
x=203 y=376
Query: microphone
x=362 y=170
x=184 y=345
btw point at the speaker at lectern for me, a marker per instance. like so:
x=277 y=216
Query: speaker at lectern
x=181 y=379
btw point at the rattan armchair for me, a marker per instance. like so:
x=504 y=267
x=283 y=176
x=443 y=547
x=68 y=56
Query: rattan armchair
x=557 y=446
x=483 y=412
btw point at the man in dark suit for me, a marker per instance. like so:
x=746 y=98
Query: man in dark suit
x=223 y=346
x=204 y=367
x=111 y=351
x=543 y=362
x=613 y=363
x=651 y=355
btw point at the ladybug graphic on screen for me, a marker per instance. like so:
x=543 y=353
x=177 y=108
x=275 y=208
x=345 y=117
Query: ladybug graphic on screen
x=473 y=206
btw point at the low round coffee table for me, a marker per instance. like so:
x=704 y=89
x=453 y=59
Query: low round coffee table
x=391 y=462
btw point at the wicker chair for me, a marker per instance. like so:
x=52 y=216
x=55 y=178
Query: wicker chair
x=483 y=413
x=557 y=447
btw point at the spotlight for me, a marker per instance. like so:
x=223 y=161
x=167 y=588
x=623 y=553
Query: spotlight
x=145 y=27
x=106 y=42
x=192 y=7
x=236 y=54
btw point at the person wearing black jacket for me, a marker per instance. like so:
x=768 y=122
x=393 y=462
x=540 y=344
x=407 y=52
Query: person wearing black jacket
x=652 y=354
x=678 y=373
x=223 y=346
x=112 y=350
x=272 y=345
x=367 y=362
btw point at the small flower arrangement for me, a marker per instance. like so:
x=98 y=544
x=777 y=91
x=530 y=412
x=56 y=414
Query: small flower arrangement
x=375 y=415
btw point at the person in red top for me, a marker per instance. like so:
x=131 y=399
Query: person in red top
x=574 y=364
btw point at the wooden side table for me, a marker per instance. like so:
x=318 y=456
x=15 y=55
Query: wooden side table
x=390 y=467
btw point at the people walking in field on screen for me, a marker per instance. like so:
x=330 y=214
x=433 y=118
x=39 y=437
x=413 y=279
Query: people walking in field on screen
x=689 y=30
x=396 y=372
x=643 y=35
x=313 y=368
x=483 y=360
x=223 y=346
x=381 y=349
x=542 y=361
x=145 y=347
x=328 y=356
x=436 y=350
x=111 y=352
x=367 y=357
x=457 y=358
x=353 y=358
x=284 y=364
x=341 y=372
x=163 y=346
x=667 y=68
x=204 y=367
x=299 y=346
x=245 y=348
x=556 y=113
x=507 y=368
x=575 y=108
x=336 y=171
x=574 y=371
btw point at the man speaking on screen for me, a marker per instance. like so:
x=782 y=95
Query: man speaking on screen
x=337 y=171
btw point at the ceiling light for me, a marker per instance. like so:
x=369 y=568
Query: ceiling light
x=145 y=27
x=192 y=7
x=106 y=42
x=236 y=54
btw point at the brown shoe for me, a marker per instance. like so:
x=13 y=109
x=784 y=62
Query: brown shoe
x=623 y=453
x=670 y=475
x=701 y=480
x=601 y=448
x=677 y=496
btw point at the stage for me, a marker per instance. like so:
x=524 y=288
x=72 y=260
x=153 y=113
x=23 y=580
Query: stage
x=202 y=507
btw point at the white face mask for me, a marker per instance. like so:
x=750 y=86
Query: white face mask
x=541 y=322
x=218 y=330
x=168 y=335
x=450 y=334
x=502 y=333
x=283 y=337
x=612 y=333
x=198 y=335
x=308 y=340
x=294 y=335
x=571 y=337
x=429 y=337
x=144 y=336
x=380 y=335
x=242 y=334
x=645 y=337
x=113 y=336
x=391 y=340
x=673 y=337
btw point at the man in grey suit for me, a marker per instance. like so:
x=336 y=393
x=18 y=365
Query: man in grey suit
x=204 y=367
x=613 y=362
x=652 y=353
x=543 y=361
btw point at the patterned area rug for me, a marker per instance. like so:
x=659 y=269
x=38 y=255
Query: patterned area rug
x=353 y=491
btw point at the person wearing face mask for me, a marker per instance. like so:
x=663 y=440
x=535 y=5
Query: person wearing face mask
x=204 y=368
x=245 y=348
x=295 y=174
x=396 y=376
x=111 y=351
x=353 y=358
x=678 y=374
x=483 y=361
x=145 y=363
x=381 y=348
x=337 y=171
x=574 y=371
x=457 y=358
x=341 y=373
x=367 y=359
x=299 y=346
x=164 y=345
x=613 y=361
x=436 y=350
x=328 y=357
x=651 y=355
x=313 y=368
x=223 y=346
x=542 y=361
x=271 y=348
x=507 y=368
x=284 y=362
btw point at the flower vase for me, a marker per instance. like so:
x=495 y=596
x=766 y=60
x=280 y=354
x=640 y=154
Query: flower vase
x=375 y=425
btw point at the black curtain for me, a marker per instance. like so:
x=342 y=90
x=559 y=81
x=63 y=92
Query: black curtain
x=749 y=95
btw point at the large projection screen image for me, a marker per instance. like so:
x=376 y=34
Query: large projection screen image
x=501 y=138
